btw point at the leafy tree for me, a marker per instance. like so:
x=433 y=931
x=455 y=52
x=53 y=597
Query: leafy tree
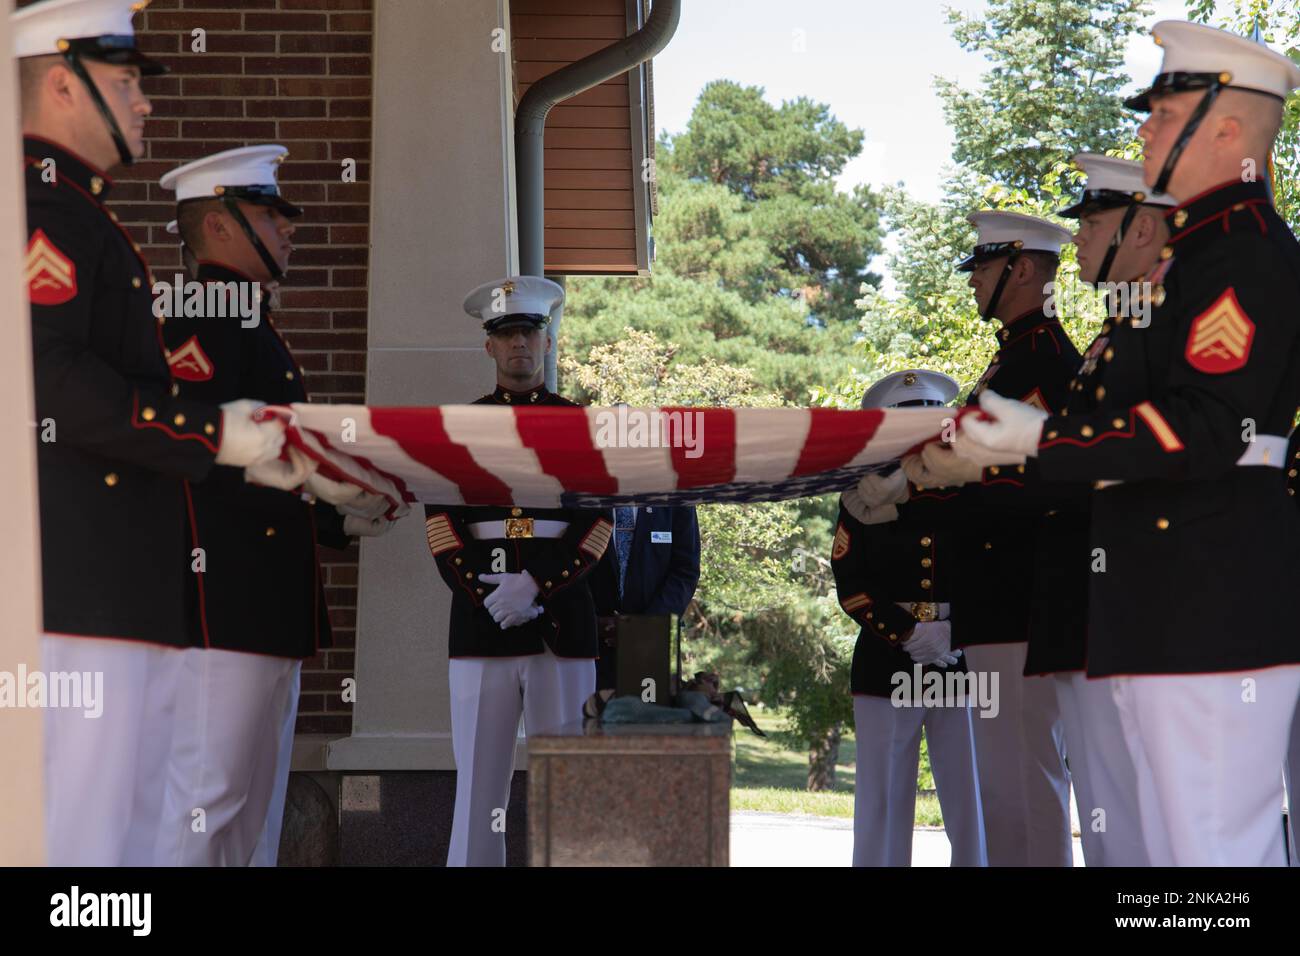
x=1057 y=70
x=781 y=161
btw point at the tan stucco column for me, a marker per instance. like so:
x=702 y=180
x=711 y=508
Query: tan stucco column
x=22 y=824
x=442 y=222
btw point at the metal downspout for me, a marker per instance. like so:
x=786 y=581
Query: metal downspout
x=530 y=127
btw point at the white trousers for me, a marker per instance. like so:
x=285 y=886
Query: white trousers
x=488 y=696
x=1105 y=783
x=884 y=799
x=229 y=712
x=1208 y=750
x=268 y=844
x=1024 y=786
x=104 y=775
x=1292 y=776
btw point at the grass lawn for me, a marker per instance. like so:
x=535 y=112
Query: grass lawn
x=768 y=777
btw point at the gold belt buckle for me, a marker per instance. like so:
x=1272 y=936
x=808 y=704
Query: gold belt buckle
x=925 y=611
x=519 y=527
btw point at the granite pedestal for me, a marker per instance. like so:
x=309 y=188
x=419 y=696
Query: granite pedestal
x=630 y=795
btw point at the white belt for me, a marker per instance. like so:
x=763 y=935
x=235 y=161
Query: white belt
x=1266 y=450
x=944 y=608
x=491 y=530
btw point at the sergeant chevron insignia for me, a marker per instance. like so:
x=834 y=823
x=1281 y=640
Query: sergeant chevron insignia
x=841 y=546
x=50 y=275
x=1221 y=337
x=190 y=363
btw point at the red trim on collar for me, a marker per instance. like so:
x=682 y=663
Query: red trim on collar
x=108 y=180
x=1021 y=333
x=1223 y=217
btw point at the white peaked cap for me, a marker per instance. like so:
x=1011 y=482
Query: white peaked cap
x=1113 y=175
x=496 y=302
x=1195 y=48
x=1001 y=228
x=245 y=166
x=38 y=29
x=912 y=385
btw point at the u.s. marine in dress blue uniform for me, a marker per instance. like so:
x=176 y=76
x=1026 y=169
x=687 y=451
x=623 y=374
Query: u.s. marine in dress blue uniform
x=895 y=579
x=1001 y=551
x=522 y=635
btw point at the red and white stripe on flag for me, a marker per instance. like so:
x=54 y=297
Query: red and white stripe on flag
x=548 y=457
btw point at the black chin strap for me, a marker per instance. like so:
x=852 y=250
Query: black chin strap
x=272 y=267
x=71 y=58
x=990 y=311
x=1117 y=240
x=1193 y=124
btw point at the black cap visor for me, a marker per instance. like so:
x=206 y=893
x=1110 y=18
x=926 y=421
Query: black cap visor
x=987 y=252
x=529 y=320
x=1167 y=83
x=1097 y=200
x=260 y=195
x=117 y=50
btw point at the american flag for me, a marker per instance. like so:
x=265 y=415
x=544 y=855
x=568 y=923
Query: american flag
x=571 y=457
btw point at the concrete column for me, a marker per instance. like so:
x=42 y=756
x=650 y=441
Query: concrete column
x=22 y=822
x=442 y=222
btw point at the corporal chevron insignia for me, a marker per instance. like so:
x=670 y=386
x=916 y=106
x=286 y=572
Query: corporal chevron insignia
x=1221 y=337
x=190 y=362
x=51 y=276
x=841 y=546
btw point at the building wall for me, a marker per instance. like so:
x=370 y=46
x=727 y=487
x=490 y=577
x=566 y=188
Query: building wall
x=295 y=72
x=593 y=171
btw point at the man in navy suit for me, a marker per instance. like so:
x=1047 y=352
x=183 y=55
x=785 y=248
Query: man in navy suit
x=652 y=567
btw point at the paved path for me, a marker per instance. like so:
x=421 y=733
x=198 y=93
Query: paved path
x=797 y=839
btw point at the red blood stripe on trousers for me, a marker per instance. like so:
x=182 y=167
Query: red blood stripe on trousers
x=716 y=437
x=422 y=436
x=561 y=439
x=835 y=438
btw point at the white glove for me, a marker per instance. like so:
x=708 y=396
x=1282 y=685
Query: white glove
x=332 y=492
x=244 y=441
x=931 y=643
x=937 y=466
x=366 y=505
x=278 y=473
x=1013 y=434
x=515 y=620
x=876 y=490
x=854 y=505
x=355 y=527
x=512 y=601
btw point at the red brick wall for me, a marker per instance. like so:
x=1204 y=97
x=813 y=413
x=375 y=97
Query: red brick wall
x=295 y=72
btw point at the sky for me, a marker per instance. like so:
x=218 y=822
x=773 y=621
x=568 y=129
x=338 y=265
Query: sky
x=872 y=61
